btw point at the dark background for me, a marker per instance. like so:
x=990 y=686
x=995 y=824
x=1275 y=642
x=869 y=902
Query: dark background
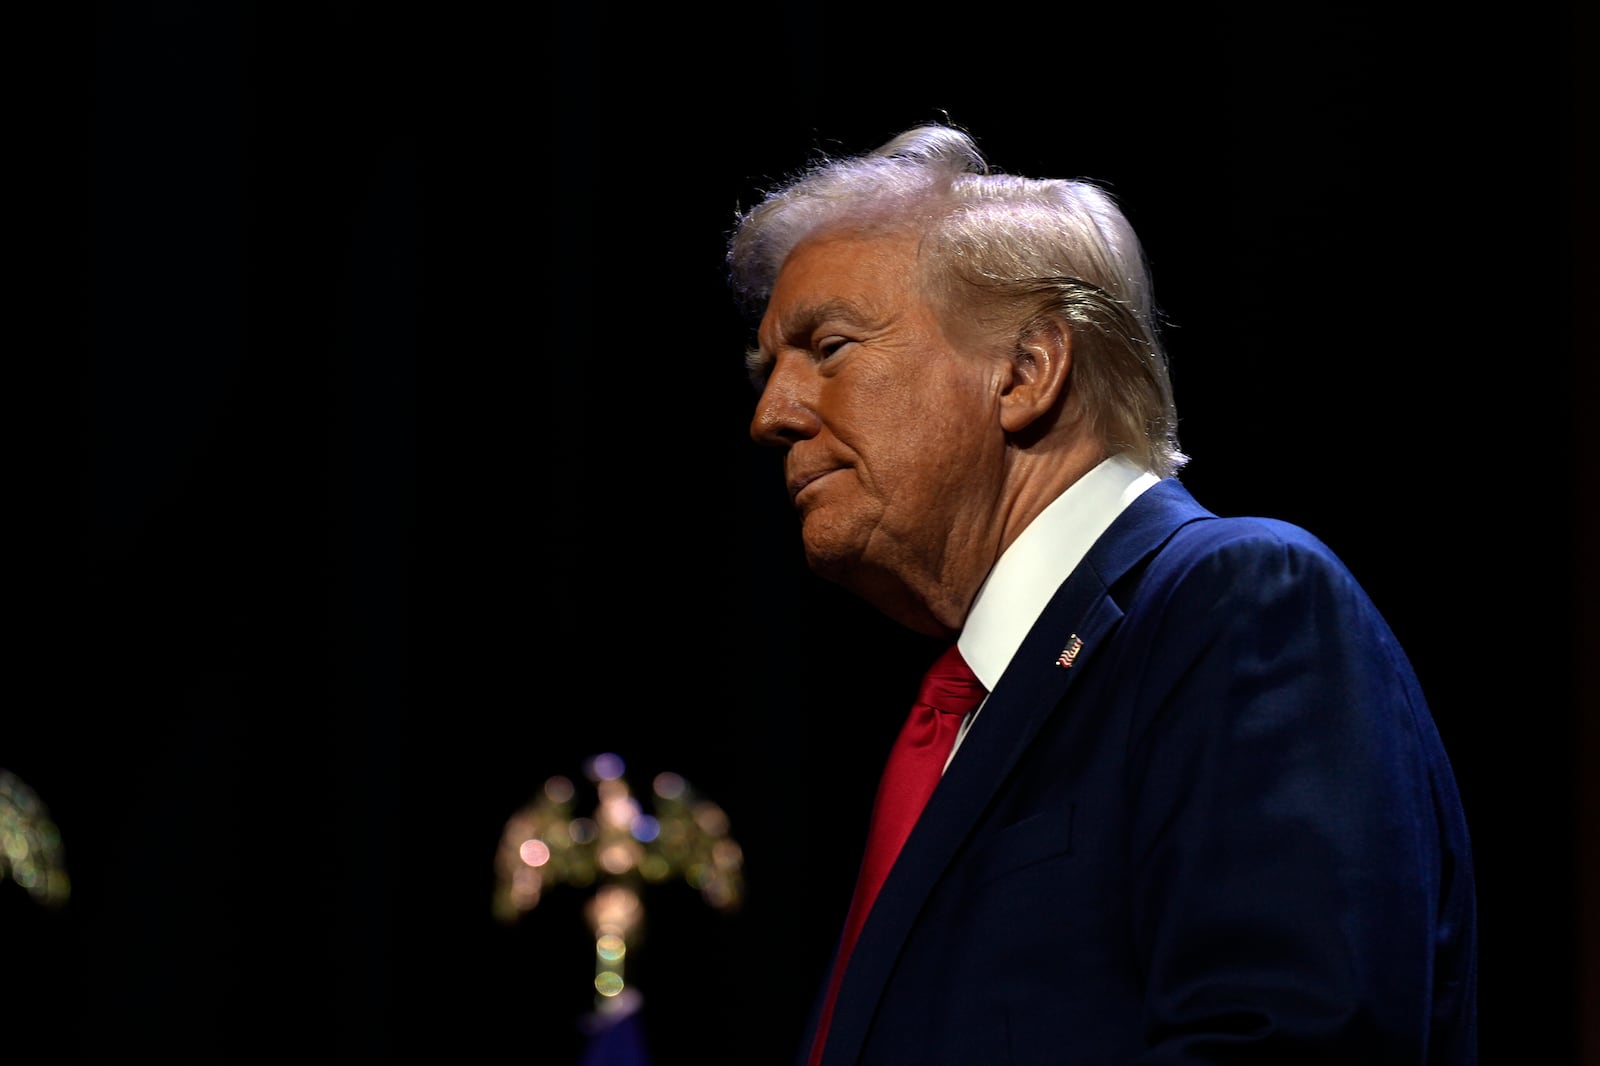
x=390 y=457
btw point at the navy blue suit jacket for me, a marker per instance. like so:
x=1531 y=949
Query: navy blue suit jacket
x=1226 y=833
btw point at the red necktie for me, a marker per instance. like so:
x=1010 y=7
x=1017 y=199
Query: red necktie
x=949 y=692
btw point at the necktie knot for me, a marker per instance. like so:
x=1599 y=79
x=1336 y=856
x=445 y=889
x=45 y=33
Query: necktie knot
x=950 y=686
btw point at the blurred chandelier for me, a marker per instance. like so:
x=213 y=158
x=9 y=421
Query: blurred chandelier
x=30 y=844
x=618 y=848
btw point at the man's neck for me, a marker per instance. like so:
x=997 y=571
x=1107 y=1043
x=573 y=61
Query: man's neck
x=1040 y=558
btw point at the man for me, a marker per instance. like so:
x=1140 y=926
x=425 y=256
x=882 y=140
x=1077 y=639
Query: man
x=1202 y=813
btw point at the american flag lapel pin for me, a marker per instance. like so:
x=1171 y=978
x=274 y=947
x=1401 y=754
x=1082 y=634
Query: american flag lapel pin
x=1070 y=652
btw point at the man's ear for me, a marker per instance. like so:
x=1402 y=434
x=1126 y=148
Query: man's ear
x=1038 y=372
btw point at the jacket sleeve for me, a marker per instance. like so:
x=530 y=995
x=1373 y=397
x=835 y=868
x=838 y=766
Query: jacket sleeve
x=1301 y=880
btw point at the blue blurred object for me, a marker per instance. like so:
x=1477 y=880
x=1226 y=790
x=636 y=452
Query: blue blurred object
x=619 y=1043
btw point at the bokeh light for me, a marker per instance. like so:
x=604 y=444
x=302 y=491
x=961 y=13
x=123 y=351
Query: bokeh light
x=606 y=767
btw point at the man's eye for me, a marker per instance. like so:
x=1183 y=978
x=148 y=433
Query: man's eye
x=831 y=346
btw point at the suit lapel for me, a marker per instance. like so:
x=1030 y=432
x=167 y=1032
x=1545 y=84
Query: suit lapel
x=1079 y=619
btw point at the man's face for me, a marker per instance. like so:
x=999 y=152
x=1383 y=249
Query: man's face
x=894 y=452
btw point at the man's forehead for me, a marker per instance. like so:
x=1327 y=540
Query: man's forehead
x=846 y=275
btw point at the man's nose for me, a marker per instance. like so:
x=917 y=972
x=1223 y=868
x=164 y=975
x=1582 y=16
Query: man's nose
x=786 y=411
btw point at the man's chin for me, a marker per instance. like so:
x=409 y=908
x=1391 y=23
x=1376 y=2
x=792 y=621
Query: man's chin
x=827 y=561
x=880 y=588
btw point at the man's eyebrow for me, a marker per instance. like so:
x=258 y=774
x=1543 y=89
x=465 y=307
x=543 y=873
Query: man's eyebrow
x=758 y=364
x=797 y=327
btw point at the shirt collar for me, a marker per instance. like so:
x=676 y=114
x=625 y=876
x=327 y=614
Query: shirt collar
x=1044 y=554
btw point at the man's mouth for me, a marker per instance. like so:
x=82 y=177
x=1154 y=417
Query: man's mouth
x=802 y=481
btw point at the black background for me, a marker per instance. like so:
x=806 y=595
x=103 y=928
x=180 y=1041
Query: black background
x=391 y=456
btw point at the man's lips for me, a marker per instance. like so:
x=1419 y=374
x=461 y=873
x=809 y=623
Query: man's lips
x=799 y=482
